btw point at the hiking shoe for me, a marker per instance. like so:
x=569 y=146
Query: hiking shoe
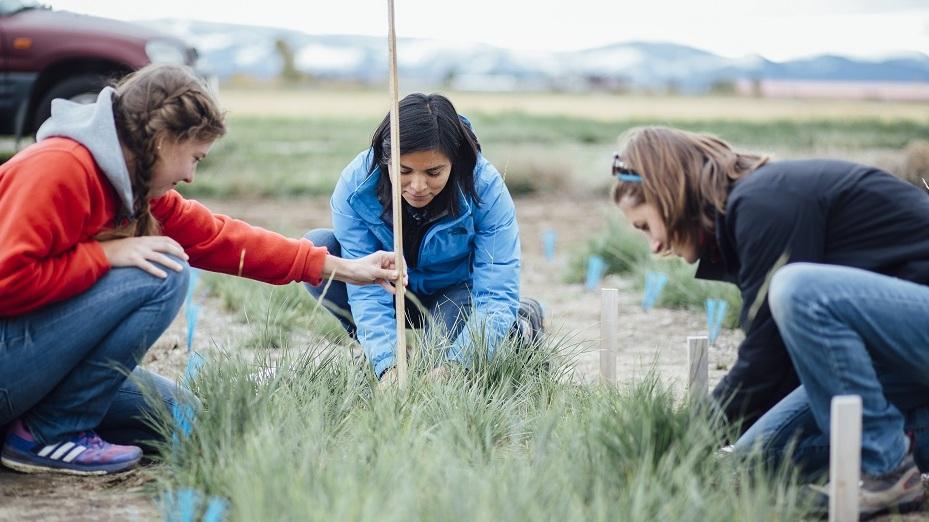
x=530 y=322
x=82 y=454
x=899 y=491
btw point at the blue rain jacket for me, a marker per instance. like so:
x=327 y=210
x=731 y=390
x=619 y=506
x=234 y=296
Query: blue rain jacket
x=479 y=246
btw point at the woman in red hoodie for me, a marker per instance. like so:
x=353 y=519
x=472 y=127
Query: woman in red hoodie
x=94 y=252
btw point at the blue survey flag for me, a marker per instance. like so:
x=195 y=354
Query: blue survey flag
x=596 y=267
x=549 y=237
x=715 y=315
x=654 y=285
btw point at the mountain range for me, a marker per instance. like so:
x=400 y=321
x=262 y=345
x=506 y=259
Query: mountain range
x=228 y=50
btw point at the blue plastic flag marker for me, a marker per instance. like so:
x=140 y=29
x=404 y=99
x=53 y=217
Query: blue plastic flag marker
x=549 y=237
x=654 y=285
x=181 y=505
x=715 y=314
x=183 y=414
x=191 y=311
x=215 y=510
x=596 y=267
x=193 y=368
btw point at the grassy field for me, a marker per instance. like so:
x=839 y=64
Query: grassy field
x=514 y=438
x=510 y=440
x=296 y=142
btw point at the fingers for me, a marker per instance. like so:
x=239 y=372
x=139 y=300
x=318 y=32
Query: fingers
x=151 y=269
x=387 y=286
x=168 y=246
x=165 y=261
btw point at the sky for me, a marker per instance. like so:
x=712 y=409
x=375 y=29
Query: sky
x=776 y=29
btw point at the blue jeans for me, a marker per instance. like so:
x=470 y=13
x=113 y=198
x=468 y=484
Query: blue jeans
x=63 y=368
x=789 y=431
x=850 y=332
x=449 y=308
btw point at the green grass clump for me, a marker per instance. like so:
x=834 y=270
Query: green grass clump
x=684 y=291
x=510 y=439
x=626 y=252
x=276 y=312
x=622 y=248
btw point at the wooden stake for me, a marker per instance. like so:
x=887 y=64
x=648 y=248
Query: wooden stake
x=844 y=458
x=397 y=197
x=609 y=315
x=698 y=373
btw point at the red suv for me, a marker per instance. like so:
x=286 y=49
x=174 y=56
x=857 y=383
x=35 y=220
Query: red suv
x=47 y=54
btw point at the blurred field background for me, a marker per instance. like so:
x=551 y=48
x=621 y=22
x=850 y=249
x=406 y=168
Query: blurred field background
x=295 y=142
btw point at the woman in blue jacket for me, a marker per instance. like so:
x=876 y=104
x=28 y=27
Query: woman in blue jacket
x=460 y=237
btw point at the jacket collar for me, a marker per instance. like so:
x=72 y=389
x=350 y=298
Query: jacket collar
x=364 y=200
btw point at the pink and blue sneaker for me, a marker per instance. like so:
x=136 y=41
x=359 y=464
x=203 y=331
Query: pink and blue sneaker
x=82 y=454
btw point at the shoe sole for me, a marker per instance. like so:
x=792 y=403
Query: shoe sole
x=27 y=467
x=906 y=505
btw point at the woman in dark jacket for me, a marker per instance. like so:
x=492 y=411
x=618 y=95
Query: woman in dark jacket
x=846 y=315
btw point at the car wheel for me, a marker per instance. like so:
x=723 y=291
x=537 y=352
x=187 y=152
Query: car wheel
x=80 y=89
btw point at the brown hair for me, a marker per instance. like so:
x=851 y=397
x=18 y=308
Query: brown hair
x=155 y=104
x=685 y=175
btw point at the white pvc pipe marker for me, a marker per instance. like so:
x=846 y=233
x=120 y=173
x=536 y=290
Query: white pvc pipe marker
x=698 y=372
x=844 y=458
x=609 y=316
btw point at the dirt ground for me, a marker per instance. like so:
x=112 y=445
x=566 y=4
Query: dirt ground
x=645 y=338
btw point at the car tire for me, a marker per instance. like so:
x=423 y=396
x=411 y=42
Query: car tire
x=84 y=87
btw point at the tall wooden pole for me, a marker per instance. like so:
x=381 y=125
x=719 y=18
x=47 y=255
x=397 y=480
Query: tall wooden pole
x=397 y=197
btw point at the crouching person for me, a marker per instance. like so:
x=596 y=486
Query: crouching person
x=846 y=315
x=95 y=248
x=460 y=238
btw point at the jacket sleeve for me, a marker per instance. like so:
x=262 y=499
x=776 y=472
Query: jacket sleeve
x=495 y=273
x=43 y=213
x=372 y=308
x=764 y=229
x=215 y=242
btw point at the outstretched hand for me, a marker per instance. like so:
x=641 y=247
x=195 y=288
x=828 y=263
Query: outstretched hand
x=143 y=252
x=377 y=268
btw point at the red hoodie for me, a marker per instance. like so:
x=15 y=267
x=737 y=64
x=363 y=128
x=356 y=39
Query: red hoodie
x=54 y=199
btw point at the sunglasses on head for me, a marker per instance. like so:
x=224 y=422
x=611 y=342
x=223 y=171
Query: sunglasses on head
x=622 y=172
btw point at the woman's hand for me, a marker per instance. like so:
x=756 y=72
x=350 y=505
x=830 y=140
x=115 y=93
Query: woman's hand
x=143 y=252
x=377 y=268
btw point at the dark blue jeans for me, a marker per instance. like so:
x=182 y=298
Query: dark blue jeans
x=850 y=332
x=449 y=308
x=63 y=369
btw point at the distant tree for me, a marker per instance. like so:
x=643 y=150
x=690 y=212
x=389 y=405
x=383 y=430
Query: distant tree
x=723 y=87
x=289 y=72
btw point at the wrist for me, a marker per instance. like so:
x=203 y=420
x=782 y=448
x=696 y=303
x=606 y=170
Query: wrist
x=335 y=265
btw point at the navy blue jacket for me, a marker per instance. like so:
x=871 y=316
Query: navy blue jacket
x=817 y=211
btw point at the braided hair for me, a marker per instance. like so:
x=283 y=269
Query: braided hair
x=159 y=103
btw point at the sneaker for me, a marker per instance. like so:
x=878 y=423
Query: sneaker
x=899 y=491
x=81 y=454
x=530 y=322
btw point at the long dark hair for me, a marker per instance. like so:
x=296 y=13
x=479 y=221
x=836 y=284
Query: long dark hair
x=430 y=122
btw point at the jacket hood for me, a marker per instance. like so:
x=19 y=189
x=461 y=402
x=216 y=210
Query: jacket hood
x=93 y=126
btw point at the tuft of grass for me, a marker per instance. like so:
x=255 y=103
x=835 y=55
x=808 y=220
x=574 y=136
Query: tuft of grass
x=277 y=312
x=509 y=439
x=623 y=249
x=626 y=253
x=684 y=291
